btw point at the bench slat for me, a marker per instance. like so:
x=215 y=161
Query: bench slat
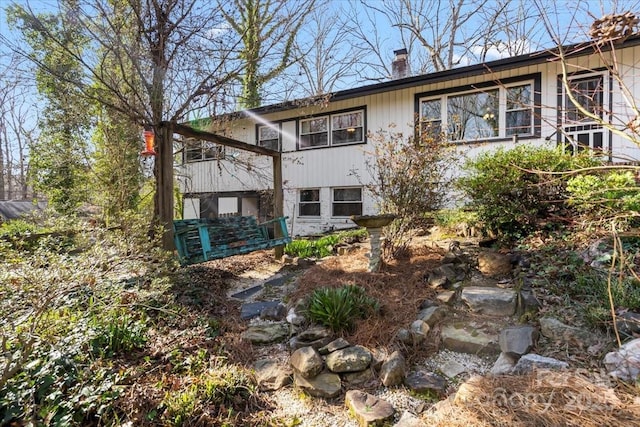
x=199 y=240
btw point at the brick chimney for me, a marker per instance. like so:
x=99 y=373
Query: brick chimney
x=400 y=64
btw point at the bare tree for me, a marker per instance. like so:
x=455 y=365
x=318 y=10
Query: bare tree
x=444 y=34
x=178 y=64
x=328 y=56
x=512 y=29
x=366 y=33
x=17 y=128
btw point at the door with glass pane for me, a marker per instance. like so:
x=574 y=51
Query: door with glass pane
x=585 y=112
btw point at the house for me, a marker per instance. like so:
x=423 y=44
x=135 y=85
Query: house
x=324 y=145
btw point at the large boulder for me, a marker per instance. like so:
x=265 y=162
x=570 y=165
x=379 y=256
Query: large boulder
x=337 y=344
x=349 y=359
x=306 y=362
x=425 y=382
x=433 y=314
x=503 y=365
x=326 y=385
x=530 y=362
x=271 y=375
x=557 y=331
x=494 y=264
x=315 y=336
x=518 y=340
x=266 y=333
x=468 y=340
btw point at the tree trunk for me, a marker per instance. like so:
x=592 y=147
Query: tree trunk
x=278 y=199
x=2 y=165
x=164 y=183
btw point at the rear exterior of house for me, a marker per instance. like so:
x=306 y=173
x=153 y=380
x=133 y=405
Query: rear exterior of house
x=326 y=149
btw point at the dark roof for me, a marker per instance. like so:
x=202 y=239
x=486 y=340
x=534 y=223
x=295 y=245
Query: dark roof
x=471 y=70
x=12 y=209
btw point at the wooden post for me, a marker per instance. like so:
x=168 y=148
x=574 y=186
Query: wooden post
x=278 y=199
x=164 y=182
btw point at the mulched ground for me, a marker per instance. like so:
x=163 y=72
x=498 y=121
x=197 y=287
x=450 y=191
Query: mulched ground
x=400 y=287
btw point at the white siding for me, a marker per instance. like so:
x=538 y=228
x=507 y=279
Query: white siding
x=329 y=167
x=191 y=208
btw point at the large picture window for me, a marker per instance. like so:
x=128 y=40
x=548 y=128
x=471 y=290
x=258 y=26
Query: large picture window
x=473 y=116
x=197 y=151
x=309 y=202
x=334 y=129
x=489 y=113
x=347 y=201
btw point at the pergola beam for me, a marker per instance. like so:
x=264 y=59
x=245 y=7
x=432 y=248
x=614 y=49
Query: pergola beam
x=278 y=197
x=190 y=132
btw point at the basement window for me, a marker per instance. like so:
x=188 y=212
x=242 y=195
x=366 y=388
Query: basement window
x=309 y=203
x=347 y=201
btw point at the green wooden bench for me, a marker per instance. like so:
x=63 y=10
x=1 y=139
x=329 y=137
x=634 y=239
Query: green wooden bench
x=199 y=240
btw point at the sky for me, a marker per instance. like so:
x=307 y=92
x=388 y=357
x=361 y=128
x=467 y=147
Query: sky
x=559 y=12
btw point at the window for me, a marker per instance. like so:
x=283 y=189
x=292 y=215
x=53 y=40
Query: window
x=309 y=202
x=336 y=129
x=314 y=132
x=518 y=115
x=430 y=117
x=269 y=137
x=494 y=112
x=473 y=115
x=588 y=92
x=579 y=131
x=346 y=128
x=347 y=201
x=197 y=150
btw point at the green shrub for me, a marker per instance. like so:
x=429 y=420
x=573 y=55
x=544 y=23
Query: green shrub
x=18 y=227
x=307 y=248
x=606 y=194
x=301 y=248
x=353 y=235
x=511 y=192
x=337 y=308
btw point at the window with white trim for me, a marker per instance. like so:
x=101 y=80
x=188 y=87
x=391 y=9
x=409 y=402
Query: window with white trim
x=269 y=137
x=431 y=117
x=196 y=150
x=518 y=111
x=589 y=94
x=346 y=201
x=490 y=113
x=335 y=129
x=309 y=202
x=582 y=124
x=314 y=132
